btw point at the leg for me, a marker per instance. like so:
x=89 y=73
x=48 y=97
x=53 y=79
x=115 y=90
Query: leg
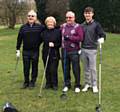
x=76 y=68
x=26 y=66
x=35 y=59
x=66 y=68
x=54 y=72
x=86 y=67
x=92 y=58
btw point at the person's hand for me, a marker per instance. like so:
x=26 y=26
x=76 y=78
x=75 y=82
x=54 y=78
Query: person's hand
x=51 y=44
x=17 y=53
x=66 y=37
x=101 y=40
x=79 y=52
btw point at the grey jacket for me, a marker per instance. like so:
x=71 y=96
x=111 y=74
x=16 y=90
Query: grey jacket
x=92 y=32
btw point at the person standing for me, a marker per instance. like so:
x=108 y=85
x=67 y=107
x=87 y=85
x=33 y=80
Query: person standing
x=72 y=35
x=93 y=35
x=51 y=38
x=29 y=36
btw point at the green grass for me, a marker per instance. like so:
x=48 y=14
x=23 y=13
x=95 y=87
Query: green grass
x=28 y=100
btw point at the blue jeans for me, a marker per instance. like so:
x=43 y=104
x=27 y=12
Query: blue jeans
x=69 y=58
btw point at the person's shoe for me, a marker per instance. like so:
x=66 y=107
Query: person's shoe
x=95 y=89
x=77 y=90
x=47 y=86
x=25 y=85
x=87 y=86
x=31 y=85
x=65 y=89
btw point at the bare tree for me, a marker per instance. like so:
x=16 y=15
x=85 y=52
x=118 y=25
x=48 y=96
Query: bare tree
x=13 y=9
x=57 y=8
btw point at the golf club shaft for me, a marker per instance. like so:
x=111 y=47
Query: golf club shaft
x=64 y=64
x=16 y=63
x=100 y=68
x=100 y=84
x=44 y=73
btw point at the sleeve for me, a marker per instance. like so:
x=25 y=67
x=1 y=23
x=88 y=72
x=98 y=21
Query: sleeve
x=100 y=31
x=78 y=36
x=44 y=38
x=59 y=39
x=19 y=39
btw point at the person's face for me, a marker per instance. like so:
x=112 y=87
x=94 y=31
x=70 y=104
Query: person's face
x=31 y=18
x=70 y=18
x=88 y=16
x=50 y=24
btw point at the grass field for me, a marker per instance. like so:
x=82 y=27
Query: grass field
x=28 y=100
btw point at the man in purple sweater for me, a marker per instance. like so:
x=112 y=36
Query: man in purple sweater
x=72 y=35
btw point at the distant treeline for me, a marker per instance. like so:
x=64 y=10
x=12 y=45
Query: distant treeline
x=107 y=12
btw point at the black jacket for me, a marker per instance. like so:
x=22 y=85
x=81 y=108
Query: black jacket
x=51 y=35
x=30 y=36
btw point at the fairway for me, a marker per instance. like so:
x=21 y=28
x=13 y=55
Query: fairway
x=28 y=101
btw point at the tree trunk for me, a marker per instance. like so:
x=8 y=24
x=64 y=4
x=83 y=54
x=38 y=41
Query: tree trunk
x=12 y=21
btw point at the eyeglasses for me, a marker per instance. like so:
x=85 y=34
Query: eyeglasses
x=31 y=16
x=69 y=17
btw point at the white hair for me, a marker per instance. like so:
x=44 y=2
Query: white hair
x=50 y=18
x=32 y=12
x=70 y=13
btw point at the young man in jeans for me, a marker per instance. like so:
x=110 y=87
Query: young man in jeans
x=93 y=35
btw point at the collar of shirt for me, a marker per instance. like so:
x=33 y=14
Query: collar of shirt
x=30 y=24
x=90 y=22
x=70 y=25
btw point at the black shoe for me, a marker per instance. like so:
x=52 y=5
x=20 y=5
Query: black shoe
x=32 y=85
x=25 y=85
x=55 y=88
x=69 y=86
x=48 y=86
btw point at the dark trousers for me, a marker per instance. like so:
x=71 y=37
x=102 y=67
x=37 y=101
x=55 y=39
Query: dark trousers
x=69 y=58
x=51 y=70
x=30 y=58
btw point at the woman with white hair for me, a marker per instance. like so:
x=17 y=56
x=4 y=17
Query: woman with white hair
x=51 y=37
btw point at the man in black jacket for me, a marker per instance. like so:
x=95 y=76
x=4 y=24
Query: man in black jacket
x=29 y=35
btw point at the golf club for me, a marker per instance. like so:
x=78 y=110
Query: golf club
x=64 y=95
x=15 y=69
x=8 y=107
x=40 y=92
x=98 y=107
x=17 y=60
x=16 y=63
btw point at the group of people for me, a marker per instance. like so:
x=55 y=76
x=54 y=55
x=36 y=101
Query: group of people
x=77 y=42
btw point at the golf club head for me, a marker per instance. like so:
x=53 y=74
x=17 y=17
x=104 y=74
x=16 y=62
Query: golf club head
x=98 y=108
x=8 y=107
x=63 y=96
x=39 y=95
